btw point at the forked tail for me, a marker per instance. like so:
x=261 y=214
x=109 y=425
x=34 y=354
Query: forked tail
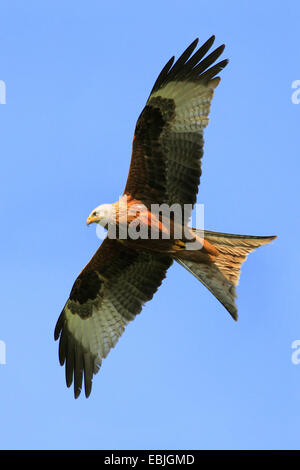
x=222 y=275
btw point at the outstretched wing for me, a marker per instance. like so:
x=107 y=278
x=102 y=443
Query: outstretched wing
x=107 y=294
x=168 y=142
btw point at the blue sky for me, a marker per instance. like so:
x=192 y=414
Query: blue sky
x=184 y=375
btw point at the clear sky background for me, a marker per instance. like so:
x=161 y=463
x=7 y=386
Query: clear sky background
x=184 y=375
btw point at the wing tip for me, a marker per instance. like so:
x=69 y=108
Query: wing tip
x=59 y=325
x=234 y=315
x=192 y=65
x=194 y=43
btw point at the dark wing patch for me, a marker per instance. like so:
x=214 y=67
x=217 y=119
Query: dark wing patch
x=148 y=166
x=86 y=286
x=108 y=293
x=168 y=143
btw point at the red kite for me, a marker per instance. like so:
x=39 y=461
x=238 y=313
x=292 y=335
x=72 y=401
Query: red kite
x=165 y=169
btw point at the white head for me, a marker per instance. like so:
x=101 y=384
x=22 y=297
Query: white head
x=103 y=215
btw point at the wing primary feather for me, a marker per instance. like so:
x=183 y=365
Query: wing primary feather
x=210 y=59
x=183 y=58
x=70 y=360
x=213 y=71
x=59 y=325
x=161 y=77
x=78 y=371
x=191 y=67
x=88 y=373
x=200 y=53
x=170 y=73
x=62 y=348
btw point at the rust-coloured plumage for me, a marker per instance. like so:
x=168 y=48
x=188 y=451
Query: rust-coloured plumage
x=165 y=169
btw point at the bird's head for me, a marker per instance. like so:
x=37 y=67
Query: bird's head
x=103 y=215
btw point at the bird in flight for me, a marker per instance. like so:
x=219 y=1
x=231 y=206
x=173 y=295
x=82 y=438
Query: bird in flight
x=164 y=173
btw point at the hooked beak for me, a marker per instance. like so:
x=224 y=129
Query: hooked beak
x=91 y=220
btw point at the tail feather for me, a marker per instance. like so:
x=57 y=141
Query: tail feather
x=222 y=275
x=233 y=251
x=212 y=278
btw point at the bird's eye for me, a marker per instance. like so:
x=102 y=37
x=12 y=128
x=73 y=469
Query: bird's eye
x=94 y=214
